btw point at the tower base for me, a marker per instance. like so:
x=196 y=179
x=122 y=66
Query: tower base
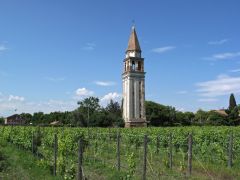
x=140 y=123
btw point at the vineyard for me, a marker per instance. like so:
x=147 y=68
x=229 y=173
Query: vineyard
x=137 y=153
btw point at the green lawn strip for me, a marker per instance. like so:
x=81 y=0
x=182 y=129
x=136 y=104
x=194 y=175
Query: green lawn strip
x=22 y=165
x=96 y=169
x=216 y=171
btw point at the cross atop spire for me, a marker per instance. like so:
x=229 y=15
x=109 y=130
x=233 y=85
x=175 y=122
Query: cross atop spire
x=133 y=44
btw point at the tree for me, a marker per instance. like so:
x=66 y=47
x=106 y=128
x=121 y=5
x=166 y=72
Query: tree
x=189 y=117
x=160 y=115
x=200 y=117
x=232 y=102
x=233 y=117
x=216 y=119
x=84 y=114
x=66 y=117
x=90 y=104
x=78 y=119
x=153 y=111
x=184 y=118
x=26 y=117
x=38 y=118
x=114 y=107
x=113 y=114
x=2 y=120
x=233 y=111
x=90 y=113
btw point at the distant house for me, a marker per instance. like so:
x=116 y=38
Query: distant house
x=55 y=123
x=221 y=112
x=15 y=119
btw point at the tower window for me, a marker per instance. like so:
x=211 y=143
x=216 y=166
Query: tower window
x=139 y=66
x=133 y=66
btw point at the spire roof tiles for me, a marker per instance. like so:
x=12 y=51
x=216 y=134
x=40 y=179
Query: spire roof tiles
x=133 y=44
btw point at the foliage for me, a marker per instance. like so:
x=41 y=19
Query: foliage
x=200 y=117
x=184 y=118
x=215 y=118
x=160 y=115
x=2 y=120
x=90 y=114
x=210 y=145
x=233 y=117
x=232 y=102
x=233 y=112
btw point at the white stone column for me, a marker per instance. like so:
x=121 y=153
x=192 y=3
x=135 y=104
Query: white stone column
x=124 y=99
x=143 y=99
x=137 y=99
x=130 y=104
x=127 y=98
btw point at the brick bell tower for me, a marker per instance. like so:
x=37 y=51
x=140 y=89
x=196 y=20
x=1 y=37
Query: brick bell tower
x=134 y=84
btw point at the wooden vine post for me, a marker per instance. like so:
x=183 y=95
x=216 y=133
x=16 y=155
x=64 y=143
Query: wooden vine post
x=145 y=157
x=190 y=142
x=230 y=150
x=157 y=145
x=55 y=155
x=80 y=159
x=170 y=151
x=33 y=142
x=118 y=151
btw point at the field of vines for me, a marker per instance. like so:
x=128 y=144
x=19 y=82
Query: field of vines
x=125 y=153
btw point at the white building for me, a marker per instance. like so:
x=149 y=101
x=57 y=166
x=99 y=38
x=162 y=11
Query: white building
x=134 y=84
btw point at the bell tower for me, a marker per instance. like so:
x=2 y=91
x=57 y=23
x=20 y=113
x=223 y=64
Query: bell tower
x=134 y=84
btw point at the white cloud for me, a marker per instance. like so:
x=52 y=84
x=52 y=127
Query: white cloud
x=163 y=49
x=219 y=42
x=180 y=109
x=114 y=96
x=235 y=70
x=223 y=56
x=1 y=96
x=15 y=98
x=57 y=105
x=222 y=85
x=55 y=79
x=89 y=46
x=105 y=83
x=182 y=92
x=10 y=103
x=226 y=55
x=3 y=48
x=208 y=100
x=8 y=107
x=83 y=92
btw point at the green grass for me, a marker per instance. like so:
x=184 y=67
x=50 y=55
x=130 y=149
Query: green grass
x=21 y=165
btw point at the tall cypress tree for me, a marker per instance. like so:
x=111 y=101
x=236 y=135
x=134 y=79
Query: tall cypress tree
x=232 y=102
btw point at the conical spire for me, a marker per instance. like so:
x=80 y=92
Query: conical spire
x=133 y=44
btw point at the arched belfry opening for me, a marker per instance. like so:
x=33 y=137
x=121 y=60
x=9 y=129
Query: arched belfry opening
x=134 y=84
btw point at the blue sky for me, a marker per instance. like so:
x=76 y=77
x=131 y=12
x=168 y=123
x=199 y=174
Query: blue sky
x=54 y=53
